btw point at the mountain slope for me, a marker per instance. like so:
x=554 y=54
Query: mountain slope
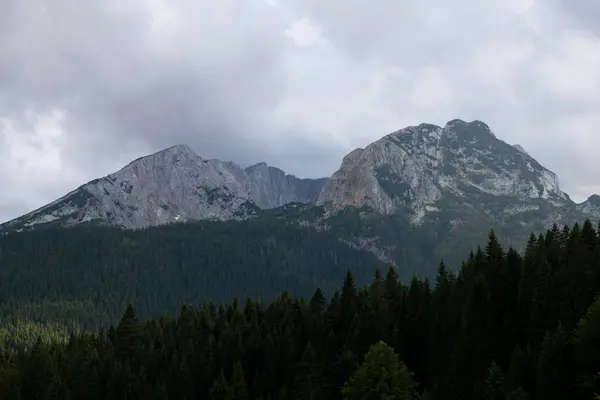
x=413 y=169
x=87 y=275
x=416 y=195
x=440 y=190
x=590 y=207
x=173 y=185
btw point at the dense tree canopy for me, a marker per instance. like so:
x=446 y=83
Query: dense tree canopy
x=505 y=326
x=381 y=377
x=85 y=277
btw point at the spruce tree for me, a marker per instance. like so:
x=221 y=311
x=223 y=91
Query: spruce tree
x=586 y=345
x=307 y=377
x=381 y=377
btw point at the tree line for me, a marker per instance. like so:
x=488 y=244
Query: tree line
x=506 y=325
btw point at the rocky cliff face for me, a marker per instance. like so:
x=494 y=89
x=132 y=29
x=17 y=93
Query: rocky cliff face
x=270 y=187
x=438 y=190
x=416 y=169
x=451 y=178
x=433 y=193
x=170 y=186
x=590 y=207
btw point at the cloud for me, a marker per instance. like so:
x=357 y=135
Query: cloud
x=524 y=67
x=580 y=13
x=133 y=77
x=297 y=83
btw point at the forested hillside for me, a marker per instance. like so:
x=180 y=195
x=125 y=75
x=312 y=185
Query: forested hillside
x=506 y=326
x=84 y=277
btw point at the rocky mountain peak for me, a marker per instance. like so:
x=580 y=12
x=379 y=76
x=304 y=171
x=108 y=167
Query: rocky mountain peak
x=520 y=148
x=594 y=199
x=173 y=154
x=420 y=171
x=263 y=166
x=590 y=207
x=415 y=168
x=178 y=149
x=172 y=185
x=475 y=127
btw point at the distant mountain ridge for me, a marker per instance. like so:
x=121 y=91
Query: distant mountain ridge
x=173 y=185
x=427 y=173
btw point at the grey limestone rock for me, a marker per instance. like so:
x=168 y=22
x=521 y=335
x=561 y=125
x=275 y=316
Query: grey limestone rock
x=591 y=207
x=455 y=173
x=173 y=185
x=414 y=169
x=270 y=187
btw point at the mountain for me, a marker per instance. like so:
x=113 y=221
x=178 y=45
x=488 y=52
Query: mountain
x=270 y=187
x=173 y=185
x=416 y=169
x=414 y=197
x=425 y=193
x=520 y=148
x=590 y=207
x=411 y=198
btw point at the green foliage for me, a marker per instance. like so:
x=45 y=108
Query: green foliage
x=381 y=377
x=518 y=394
x=553 y=383
x=25 y=332
x=587 y=348
x=494 y=384
x=85 y=277
x=506 y=325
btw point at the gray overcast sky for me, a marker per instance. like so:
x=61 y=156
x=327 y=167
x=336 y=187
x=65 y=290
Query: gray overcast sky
x=87 y=86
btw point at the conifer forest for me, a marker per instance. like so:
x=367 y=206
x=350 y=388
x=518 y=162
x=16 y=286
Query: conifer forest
x=503 y=325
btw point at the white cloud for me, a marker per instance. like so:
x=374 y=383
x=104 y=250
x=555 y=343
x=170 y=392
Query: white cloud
x=296 y=83
x=305 y=34
x=431 y=89
x=572 y=69
x=38 y=151
x=33 y=160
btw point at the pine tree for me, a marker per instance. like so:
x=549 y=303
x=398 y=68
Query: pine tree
x=493 y=388
x=348 y=295
x=551 y=382
x=521 y=373
x=518 y=394
x=586 y=345
x=317 y=304
x=221 y=390
x=127 y=334
x=441 y=280
x=38 y=380
x=381 y=377
x=239 y=387
x=307 y=375
x=493 y=249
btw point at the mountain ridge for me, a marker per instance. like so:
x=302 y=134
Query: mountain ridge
x=172 y=185
x=422 y=171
